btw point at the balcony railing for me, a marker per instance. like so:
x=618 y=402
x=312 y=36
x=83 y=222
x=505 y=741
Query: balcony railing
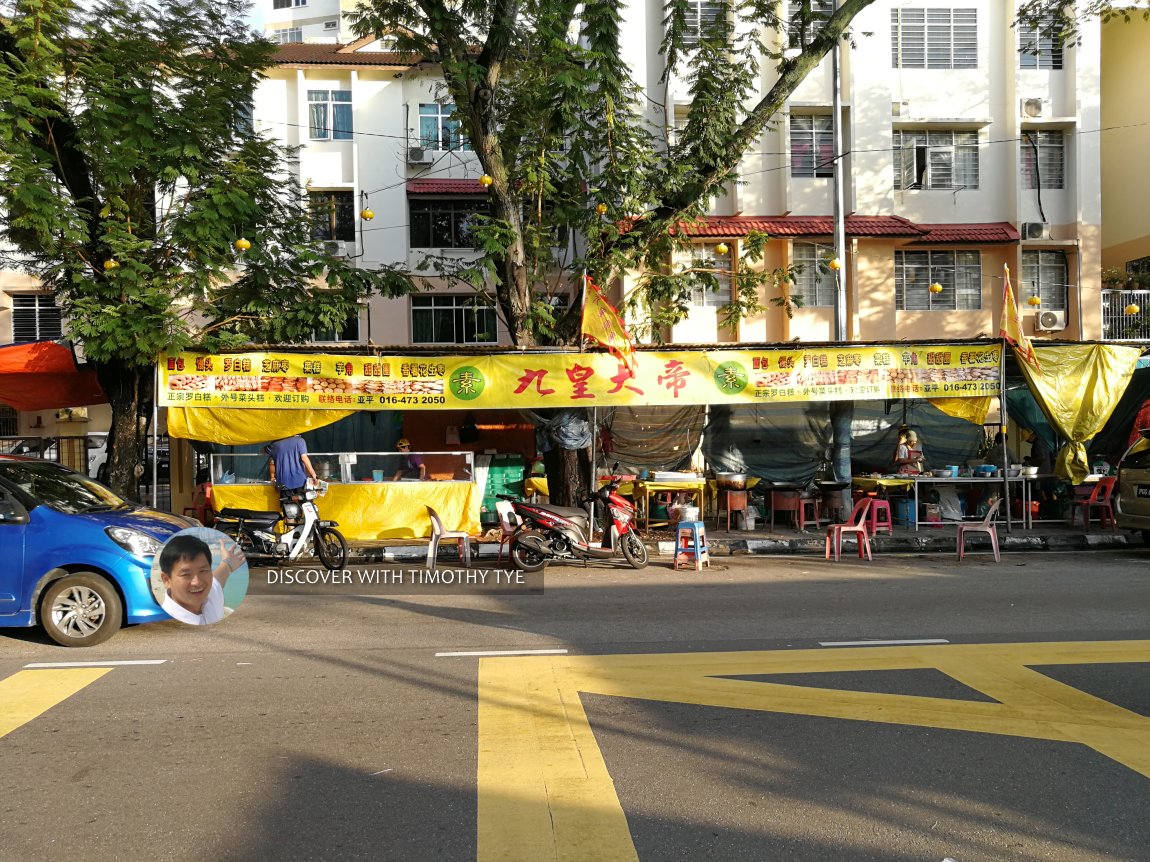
x=1117 y=324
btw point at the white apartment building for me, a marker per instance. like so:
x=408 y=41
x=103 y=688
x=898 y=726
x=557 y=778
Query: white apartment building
x=963 y=153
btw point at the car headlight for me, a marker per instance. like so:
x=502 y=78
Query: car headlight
x=133 y=541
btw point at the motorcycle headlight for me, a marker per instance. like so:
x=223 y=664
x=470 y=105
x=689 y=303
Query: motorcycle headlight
x=292 y=510
x=133 y=541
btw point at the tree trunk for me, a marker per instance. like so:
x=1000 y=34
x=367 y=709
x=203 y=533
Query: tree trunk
x=129 y=391
x=568 y=472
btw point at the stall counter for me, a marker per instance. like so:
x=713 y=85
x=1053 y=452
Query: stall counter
x=368 y=511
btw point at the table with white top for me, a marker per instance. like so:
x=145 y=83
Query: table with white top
x=1005 y=481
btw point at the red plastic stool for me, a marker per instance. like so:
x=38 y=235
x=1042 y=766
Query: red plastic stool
x=879 y=517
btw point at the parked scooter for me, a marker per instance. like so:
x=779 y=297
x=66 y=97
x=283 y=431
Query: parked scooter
x=256 y=532
x=558 y=533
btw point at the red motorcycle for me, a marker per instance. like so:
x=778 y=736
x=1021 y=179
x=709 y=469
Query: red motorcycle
x=558 y=533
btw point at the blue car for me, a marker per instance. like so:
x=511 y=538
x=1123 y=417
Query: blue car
x=76 y=558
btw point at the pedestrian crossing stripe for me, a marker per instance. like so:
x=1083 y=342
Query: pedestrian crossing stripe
x=28 y=693
x=543 y=787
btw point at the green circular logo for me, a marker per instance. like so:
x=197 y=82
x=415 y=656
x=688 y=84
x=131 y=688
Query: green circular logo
x=731 y=377
x=466 y=383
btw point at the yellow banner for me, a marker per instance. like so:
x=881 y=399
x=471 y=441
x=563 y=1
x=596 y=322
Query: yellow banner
x=535 y=380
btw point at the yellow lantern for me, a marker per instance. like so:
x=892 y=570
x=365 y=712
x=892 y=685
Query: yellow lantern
x=1132 y=308
x=601 y=209
x=721 y=248
x=1034 y=301
x=368 y=214
x=243 y=244
x=935 y=288
x=835 y=265
x=110 y=264
x=486 y=180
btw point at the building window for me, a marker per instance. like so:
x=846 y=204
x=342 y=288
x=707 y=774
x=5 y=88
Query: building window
x=709 y=273
x=1140 y=266
x=287 y=34
x=349 y=331
x=812 y=146
x=934 y=38
x=452 y=320
x=332 y=215
x=802 y=28
x=329 y=115
x=9 y=421
x=701 y=18
x=439 y=128
x=444 y=222
x=1045 y=274
x=1039 y=47
x=959 y=273
x=35 y=317
x=1043 y=157
x=287 y=4
x=816 y=289
x=935 y=159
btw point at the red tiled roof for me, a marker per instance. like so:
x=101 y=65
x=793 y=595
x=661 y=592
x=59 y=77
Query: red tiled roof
x=999 y=231
x=446 y=187
x=332 y=54
x=856 y=225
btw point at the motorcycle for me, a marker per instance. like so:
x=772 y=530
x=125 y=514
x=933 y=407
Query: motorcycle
x=287 y=534
x=557 y=533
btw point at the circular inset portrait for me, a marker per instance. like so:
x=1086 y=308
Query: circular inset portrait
x=200 y=576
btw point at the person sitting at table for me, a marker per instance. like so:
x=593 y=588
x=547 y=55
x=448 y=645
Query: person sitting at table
x=910 y=457
x=413 y=466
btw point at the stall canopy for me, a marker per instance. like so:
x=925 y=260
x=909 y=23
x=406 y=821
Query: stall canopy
x=44 y=375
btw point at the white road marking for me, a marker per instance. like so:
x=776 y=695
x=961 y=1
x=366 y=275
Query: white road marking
x=885 y=643
x=501 y=652
x=44 y=664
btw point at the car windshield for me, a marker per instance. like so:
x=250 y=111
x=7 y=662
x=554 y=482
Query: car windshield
x=59 y=488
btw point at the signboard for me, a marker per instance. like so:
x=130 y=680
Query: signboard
x=534 y=380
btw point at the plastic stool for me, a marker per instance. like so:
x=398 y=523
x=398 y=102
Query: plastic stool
x=879 y=517
x=812 y=505
x=736 y=502
x=691 y=541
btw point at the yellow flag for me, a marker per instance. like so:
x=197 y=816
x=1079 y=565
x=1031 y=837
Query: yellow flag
x=602 y=324
x=1010 y=327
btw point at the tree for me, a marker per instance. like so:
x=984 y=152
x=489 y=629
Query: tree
x=132 y=186
x=545 y=97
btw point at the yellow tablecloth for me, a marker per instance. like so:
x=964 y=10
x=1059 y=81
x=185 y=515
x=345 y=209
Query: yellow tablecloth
x=869 y=483
x=538 y=485
x=696 y=490
x=374 y=510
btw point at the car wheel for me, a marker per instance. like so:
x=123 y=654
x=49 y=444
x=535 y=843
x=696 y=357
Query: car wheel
x=81 y=610
x=331 y=548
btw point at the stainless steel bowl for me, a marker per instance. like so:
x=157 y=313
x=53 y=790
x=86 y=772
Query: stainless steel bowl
x=731 y=481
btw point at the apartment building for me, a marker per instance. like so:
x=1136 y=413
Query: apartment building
x=969 y=144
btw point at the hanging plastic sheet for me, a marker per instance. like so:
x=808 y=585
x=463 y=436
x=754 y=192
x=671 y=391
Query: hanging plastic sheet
x=1078 y=388
x=234 y=427
x=973 y=410
x=656 y=438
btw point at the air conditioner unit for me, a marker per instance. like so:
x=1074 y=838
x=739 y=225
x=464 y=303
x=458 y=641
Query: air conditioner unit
x=339 y=248
x=1033 y=108
x=331 y=25
x=1035 y=230
x=419 y=156
x=1050 y=321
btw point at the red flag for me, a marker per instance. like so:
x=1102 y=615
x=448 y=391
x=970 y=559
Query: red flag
x=1010 y=326
x=602 y=324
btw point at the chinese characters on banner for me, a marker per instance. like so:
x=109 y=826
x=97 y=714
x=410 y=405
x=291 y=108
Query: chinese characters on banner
x=514 y=380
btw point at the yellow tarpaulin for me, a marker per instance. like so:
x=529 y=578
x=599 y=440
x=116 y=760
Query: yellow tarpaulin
x=971 y=409
x=230 y=427
x=368 y=511
x=1078 y=388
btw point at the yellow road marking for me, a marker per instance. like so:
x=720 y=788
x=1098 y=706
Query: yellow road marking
x=26 y=694
x=544 y=789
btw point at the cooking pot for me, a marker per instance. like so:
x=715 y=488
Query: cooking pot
x=731 y=481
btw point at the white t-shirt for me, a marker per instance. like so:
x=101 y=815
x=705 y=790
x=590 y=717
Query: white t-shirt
x=214 y=609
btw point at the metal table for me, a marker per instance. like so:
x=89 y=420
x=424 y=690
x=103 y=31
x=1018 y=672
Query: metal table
x=978 y=480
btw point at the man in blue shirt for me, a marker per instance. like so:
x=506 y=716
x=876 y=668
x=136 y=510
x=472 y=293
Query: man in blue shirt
x=289 y=466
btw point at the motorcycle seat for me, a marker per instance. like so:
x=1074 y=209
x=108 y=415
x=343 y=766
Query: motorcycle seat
x=566 y=511
x=250 y=515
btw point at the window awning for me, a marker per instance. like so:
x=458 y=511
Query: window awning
x=43 y=375
x=446 y=187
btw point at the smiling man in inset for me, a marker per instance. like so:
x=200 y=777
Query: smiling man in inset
x=195 y=592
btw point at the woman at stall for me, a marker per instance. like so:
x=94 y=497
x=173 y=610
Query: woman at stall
x=910 y=457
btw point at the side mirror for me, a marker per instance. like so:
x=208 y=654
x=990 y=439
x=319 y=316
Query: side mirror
x=11 y=512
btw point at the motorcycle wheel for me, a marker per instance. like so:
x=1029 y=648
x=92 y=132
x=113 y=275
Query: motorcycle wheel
x=634 y=551
x=527 y=559
x=331 y=547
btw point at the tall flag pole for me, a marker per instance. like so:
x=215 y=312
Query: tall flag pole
x=603 y=325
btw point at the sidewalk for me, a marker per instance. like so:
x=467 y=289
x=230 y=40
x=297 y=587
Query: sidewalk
x=1045 y=536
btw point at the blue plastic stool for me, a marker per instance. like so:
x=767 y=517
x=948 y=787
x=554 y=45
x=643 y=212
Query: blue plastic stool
x=691 y=545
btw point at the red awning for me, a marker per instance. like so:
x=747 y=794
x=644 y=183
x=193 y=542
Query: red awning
x=43 y=375
x=446 y=187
